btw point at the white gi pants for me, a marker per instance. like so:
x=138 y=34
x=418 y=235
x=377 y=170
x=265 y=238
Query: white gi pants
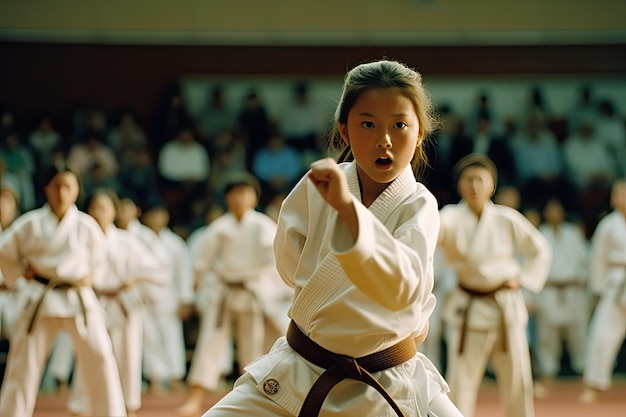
x=28 y=354
x=606 y=334
x=511 y=367
x=562 y=316
x=8 y=313
x=164 y=354
x=126 y=338
x=214 y=342
x=61 y=360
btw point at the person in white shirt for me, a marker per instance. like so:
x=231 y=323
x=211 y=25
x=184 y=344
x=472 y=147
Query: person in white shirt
x=235 y=258
x=487 y=315
x=562 y=307
x=62 y=253
x=608 y=284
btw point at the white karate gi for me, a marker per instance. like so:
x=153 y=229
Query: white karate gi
x=352 y=298
x=68 y=250
x=608 y=280
x=129 y=259
x=491 y=246
x=562 y=307
x=9 y=298
x=236 y=260
x=165 y=356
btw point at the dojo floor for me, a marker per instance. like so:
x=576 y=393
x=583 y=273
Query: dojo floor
x=561 y=402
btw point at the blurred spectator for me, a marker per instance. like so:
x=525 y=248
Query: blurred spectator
x=255 y=126
x=228 y=158
x=496 y=147
x=299 y=122
x=126 y=136
x=92 y=157
x=216 y=117
x=183 y=167
x=277 y=166
x=7 y=122
x=588 y=161
x=138 y=177
x=172 y=116
x=538 y=162
x=610 y=127
x=18 y=160
x=585 y=107
x=43 y=141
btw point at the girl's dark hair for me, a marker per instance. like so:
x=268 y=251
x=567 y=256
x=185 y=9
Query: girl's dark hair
x=108 y=192
x=385 y=74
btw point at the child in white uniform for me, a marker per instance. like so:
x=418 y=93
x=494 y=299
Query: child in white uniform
x=494 y=250
x=164 y=341
x=562 y=308
x=130 y=262
x=356 y=240
x=236 y=252
x=608 y=282
x=62 y=253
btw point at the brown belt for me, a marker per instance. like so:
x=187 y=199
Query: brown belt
x=339 y=367
x=113 y=295
x=222 y=308
x=50 y=285
x=482 y=294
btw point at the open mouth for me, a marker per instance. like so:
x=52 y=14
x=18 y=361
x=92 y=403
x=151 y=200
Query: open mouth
x=383 y=162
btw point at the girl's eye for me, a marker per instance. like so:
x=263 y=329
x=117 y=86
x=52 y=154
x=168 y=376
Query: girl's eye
x=399 y=125
x=367 y=125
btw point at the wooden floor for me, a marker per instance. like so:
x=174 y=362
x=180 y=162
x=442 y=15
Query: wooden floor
x=560 y=403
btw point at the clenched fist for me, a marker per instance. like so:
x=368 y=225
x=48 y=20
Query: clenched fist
x=332 y=184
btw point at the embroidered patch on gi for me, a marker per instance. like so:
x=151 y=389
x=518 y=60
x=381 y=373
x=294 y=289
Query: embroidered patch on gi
x=270 y=386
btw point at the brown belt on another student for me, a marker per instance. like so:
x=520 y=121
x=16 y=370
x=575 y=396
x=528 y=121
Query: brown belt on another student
x=340 y=367
x=483 y=294
x=222 y=308
x=113 y=295
x=55 y=285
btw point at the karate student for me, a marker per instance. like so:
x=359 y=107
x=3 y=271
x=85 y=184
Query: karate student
x=356 y=240
x=130 y=262
x=236 y=254
x=562 y=307
x=608 y=282
x=165 y=355
x=62 y=253
x=9 y=203
x=486 y=314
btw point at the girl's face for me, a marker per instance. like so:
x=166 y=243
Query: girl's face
x=475 y=186
x=383 y=131
x=102 y=210
x=62 y=191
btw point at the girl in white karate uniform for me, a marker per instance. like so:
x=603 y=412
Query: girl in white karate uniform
x=608 y=282
x=130 y=263
x=495 y=251
x=356 y=240
x=62 y=252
